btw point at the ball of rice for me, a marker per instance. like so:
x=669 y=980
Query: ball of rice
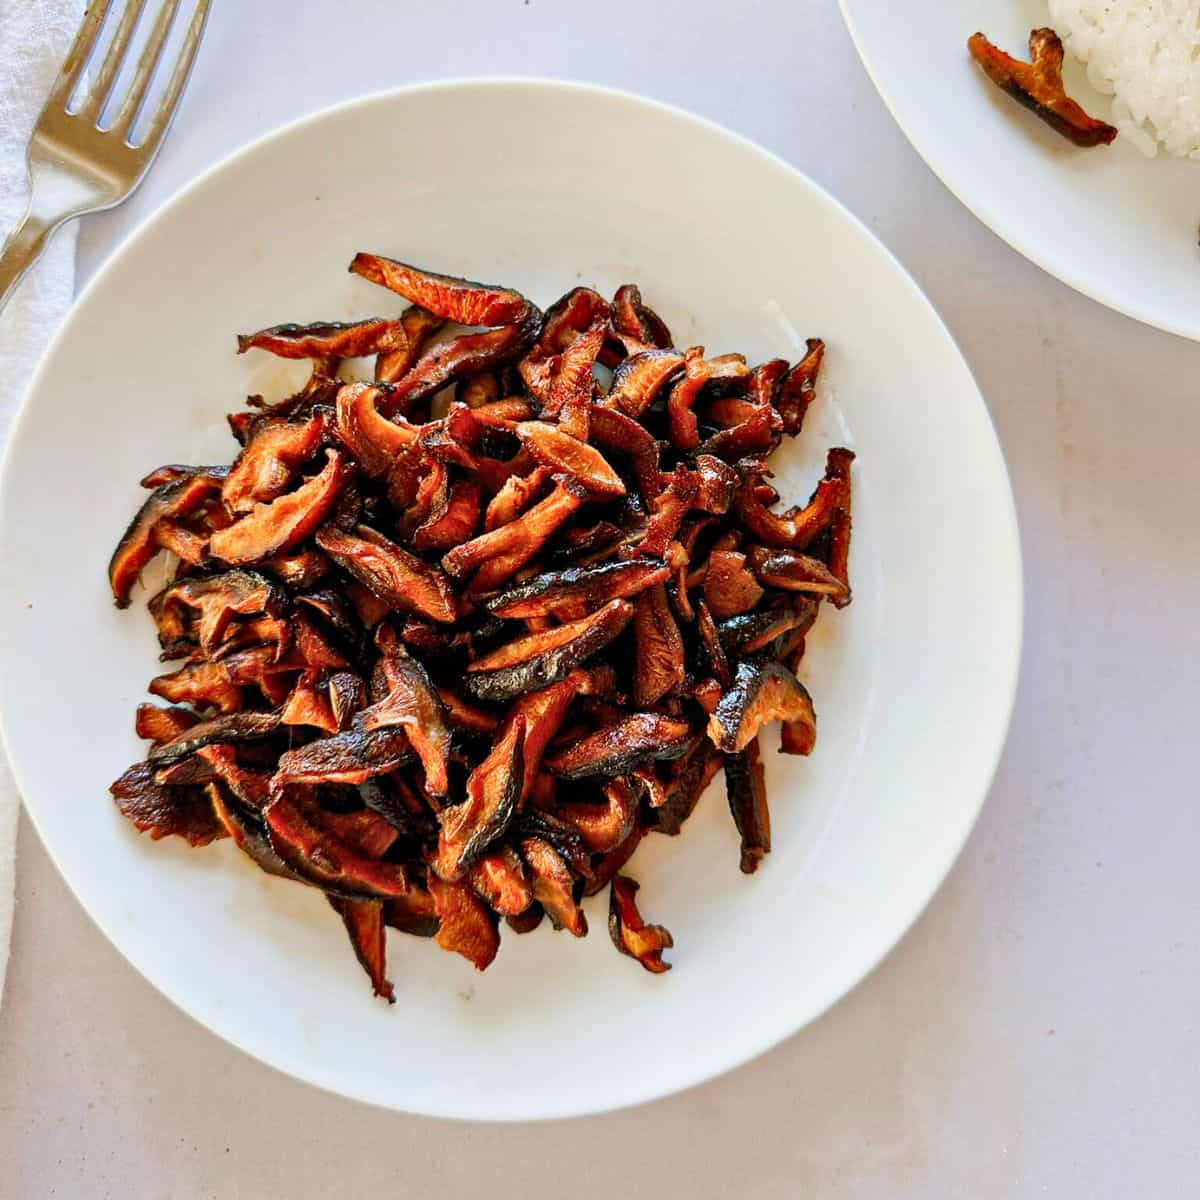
x=1145 y=54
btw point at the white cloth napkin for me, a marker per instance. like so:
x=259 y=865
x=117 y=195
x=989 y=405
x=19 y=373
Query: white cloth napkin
x=34 y=38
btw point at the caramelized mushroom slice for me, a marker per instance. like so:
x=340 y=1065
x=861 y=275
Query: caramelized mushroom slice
x=157 y=724
x=249 y=835
x=460 y=300
x=352 y=756
x=553 y=886
x=799 y=388
x=761 y=692
x=792 y=572
x=669 y=508
x=458 y=358
x=629 y=933
x=299 y=569
x=411 y=703
x=324 y=858
x=251 y=789
x=399 y=579
x=414 y=914
x=269 y=461
x=546 y=657
x=613 y=430
x=514 y=497
x=571 y=388
x=493 y=792
x=215 y=600
x=138 y=544
x=162 y=811
x=283 y=523
x=453 y=522
x=501 y=879
x=684 y=427
x=756 y=631
x=605 y=826
x=504 y=551
x=527 y=921
x=191 y=547
x=690 y=775
x=729 y=588
x=758 y=433
x=331 y=339
x=711 y=638
x=208 y=685
x=467 y=926
x=798 y=528
x=363 y=920
x=417 y=326
x=574 y=592
x=376 y=442
x=746 y=788
x=309 y=705
x=1038 y=85
x=638 y=380
x=634 y=319
x=230 y=729
x=659 y=667
x=611 y=751
x=559 y=451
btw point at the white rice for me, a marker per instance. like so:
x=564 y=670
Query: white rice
x=1146 y=54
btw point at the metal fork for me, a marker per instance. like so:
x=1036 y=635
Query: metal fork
x=75 y=167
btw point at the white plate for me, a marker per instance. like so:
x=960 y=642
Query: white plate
x=1109 y=222
x=914 y=683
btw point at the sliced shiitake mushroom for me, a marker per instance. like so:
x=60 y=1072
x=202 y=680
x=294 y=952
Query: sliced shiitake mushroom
x=410 y=702
x=352 y=756
x=231 y=729
x=365 y=927
x=575 y=591
x=269 y=461
x=604 y=826
x=324 y=858
x=660 y=660
x=493 y=792
x=789 y=571
x=545 y=657
x=501 y=879
x=163 y=811
x=612 y=750
x=331 y=339
x=279 y=525
x=138 y=545
x=401 y=580
x=1038 y=85
x=746 y=788
x=629 y=933
x=466 y=925
x=460 y=300
x=560 y=451
x=554 y=886
x=762 y=692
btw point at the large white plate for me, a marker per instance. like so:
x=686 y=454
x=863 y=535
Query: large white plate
x=1109 y=222
x=914 y=683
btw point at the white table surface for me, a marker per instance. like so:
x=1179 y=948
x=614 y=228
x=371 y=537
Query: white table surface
x=1036 y=1033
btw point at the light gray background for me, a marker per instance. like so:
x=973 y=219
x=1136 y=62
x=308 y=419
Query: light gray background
x=1036 y=1033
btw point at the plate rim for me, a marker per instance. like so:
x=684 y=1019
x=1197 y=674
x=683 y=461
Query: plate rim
x=979 y=209
x=686 y=1079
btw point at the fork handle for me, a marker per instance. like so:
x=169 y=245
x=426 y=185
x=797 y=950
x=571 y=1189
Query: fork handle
x=22 y=249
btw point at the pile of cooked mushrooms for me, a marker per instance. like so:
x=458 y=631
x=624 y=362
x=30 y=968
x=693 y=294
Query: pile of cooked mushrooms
x=453 y=641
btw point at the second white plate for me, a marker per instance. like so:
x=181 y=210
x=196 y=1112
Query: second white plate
x=1109 y=222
